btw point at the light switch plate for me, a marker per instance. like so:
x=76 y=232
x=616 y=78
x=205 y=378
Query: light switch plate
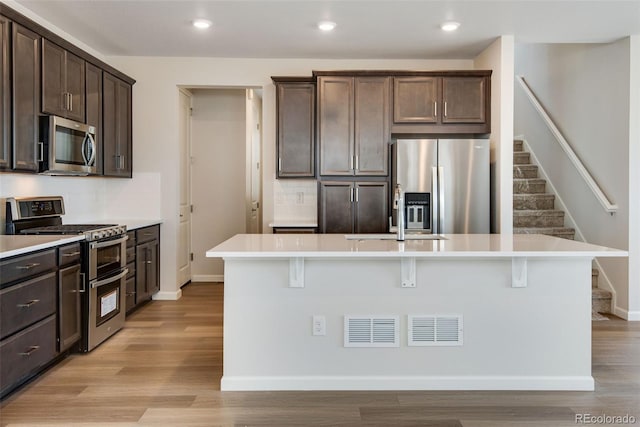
x=319 y=325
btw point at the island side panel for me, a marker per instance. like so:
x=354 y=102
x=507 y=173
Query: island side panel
x=538 y=337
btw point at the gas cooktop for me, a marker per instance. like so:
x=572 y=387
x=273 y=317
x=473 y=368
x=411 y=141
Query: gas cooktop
x=91 y=231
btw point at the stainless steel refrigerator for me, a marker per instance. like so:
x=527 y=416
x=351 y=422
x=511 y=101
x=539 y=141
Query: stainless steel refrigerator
x=451 y=176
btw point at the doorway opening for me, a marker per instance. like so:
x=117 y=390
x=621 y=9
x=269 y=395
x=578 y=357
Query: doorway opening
x=224 y=171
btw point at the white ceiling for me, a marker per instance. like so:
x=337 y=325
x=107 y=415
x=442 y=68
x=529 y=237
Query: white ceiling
x=379 y=29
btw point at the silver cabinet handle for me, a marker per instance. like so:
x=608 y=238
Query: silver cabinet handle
x=41 y=151
x=122 y=162
x=28 y=266
x=351 y=162
x=84 y=286
x=435 y=109
x=70 y=254
x=30 y=351
x=29 y=304
x=280 y=164
x=357 y=194
x=351 y=194
x=445 y=108
x=357 y=163
x=70 y=102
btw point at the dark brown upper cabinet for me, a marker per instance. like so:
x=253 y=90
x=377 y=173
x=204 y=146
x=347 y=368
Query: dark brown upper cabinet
x=93 y=98
x=444 y=102
x=464 y=100
x=353 y=125
x=415 y=99
x=63 y=82
x=5 y=96
x=295 y=131
x=116 y=123
x=353 y=207
x=26 y=98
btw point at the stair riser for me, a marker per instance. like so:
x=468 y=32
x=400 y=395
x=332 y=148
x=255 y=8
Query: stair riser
x=601 y=305
x=525 y=171
x=521 y=158
x=532 y=203
x=538 y=221
x=518 y=146
x=528 y=187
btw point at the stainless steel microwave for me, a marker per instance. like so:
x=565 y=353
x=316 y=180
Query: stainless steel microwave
x=67 y=147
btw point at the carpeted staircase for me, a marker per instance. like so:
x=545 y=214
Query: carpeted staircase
x=534 y=213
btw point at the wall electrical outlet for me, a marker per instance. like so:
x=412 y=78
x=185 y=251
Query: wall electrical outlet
x=319 y=325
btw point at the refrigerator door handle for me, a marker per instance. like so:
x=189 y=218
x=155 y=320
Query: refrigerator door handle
x=435 y=226
x=441 y=206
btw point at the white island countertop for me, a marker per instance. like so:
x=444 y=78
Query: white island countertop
x=450 y=246
x=12 y=245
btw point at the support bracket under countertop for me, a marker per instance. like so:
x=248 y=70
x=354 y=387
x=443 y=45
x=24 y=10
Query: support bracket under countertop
x=296 y=272
x=408 y=272
x=519 y=272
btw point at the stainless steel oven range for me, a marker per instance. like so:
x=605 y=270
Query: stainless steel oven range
x=104 y=257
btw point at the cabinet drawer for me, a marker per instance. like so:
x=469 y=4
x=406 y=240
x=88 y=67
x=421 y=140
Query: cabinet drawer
x=27 y=265
x=147 y=234
x=132 y=238
x=69 y=254
x=131 y=293
x=132 y=270
x=24 y=353
x=26 y=303
x=131 y=255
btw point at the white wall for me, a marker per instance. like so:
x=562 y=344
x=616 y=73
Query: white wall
x=499 y=57
x=586 y=90
x=218 y=151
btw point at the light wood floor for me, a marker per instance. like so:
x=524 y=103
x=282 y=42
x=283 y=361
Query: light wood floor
x=164 y=368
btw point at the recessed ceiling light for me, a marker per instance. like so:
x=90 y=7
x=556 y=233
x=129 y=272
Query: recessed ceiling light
x=326 y=25
x=202 y=24
x=450 y=26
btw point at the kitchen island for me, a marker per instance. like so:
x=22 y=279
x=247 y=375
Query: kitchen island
x=462 y=312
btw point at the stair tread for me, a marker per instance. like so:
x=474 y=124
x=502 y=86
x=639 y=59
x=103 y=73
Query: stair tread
x=600 y=293
x=530 y=179
x=538 y=212
x=538 y=230
x=534 y=195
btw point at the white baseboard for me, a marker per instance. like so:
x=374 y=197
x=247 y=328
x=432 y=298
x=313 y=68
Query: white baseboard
x=632 y=316
x=207 y=278
x=264 y=383
x=168 y=296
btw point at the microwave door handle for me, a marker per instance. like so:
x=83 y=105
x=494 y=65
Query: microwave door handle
x=91 y=161
x=119 y=276
x=84 y=149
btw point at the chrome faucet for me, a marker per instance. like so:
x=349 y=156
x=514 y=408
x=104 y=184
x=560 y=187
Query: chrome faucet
x=398 y=201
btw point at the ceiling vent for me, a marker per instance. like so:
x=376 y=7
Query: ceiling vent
x=371 y=331
x=434 y=330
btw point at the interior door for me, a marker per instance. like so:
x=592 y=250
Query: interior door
x=184 y=224
x=254 y=144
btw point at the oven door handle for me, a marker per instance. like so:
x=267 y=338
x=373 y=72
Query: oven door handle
x=98 y=283
x=96 y=245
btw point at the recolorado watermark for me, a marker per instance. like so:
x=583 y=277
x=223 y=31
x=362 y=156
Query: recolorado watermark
x=605 y=419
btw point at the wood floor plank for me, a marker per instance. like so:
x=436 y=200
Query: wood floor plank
x=164 y=369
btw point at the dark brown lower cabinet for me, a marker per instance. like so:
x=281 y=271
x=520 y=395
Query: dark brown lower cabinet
x=143 y=261
x=69 y=288
x=353 y=207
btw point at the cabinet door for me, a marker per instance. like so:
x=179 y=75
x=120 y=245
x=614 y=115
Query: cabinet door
x=93 y=79
x=75 y=86
x=142 y=284
x=371 y=125
x=5 y=96
x=296 y=129
x=116 y=122
x=26 y=98
x=54 y=99
x=464 y=99
x=69 y=286
x=153 y=267
x=336 y=207
x=335 y=125
x=415 y=99
x=371 y=207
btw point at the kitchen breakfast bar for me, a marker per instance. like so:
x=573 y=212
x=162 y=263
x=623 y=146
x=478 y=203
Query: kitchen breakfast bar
x=366 y=312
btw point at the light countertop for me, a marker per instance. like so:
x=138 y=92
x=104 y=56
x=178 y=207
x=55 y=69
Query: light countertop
x=134 y=224
x=18 y=245
x=452 y=246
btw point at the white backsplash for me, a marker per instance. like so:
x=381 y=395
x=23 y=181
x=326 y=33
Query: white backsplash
x=295 y=200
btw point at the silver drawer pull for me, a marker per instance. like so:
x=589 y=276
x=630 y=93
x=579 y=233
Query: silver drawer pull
x=28 y=304
x=28 y=266
x=148 y=262
x=71 y=254
x=31 y=350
